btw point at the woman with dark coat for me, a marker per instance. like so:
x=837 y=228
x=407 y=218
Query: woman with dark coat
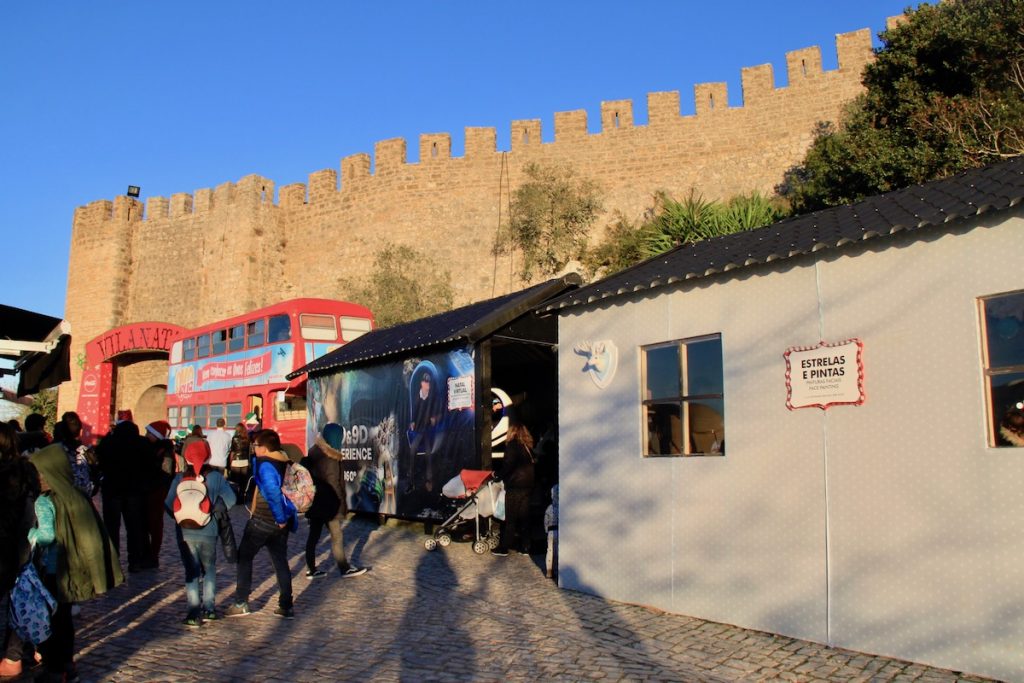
x=517 y=474
x=19 y=487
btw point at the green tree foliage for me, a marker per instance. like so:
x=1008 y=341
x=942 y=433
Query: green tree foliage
x=405 y=285
x=551 y=215
x=45 y=403
x=945 y=93
x=671 y=223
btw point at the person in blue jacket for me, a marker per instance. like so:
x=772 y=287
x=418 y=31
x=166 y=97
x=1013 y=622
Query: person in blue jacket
x=273 y=518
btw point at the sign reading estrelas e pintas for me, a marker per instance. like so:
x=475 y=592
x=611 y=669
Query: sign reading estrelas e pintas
x=825 y=375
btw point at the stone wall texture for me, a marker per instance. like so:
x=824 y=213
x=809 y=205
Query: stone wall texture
x=245 y=248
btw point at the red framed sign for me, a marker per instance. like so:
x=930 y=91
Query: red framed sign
x=825 y=375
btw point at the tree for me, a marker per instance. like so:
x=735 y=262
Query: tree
x=45 y=403
x=945 y=93
x=405 y=285
x=550 y=218
x=671 y=223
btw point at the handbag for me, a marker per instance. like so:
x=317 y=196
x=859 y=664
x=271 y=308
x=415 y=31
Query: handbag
x=31 y=606
x=499 y=506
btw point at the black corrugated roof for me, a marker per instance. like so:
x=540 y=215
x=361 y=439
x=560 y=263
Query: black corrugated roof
x=971 y=193
x=469 y=324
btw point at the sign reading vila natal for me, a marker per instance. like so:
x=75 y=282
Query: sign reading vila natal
x=825 y=375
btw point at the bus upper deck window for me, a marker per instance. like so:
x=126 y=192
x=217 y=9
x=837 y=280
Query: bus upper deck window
x=220 y=342
x=353 y=328
x=188 y=349
x=318 y=327
x=279 y=329
x=254 y=333
x=236 y=338
x=203 y=346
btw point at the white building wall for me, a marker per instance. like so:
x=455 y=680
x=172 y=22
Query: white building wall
x=889 y=527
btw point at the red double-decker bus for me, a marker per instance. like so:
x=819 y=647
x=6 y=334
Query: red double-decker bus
x=237 y=367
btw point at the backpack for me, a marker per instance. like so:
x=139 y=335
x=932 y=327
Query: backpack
x=30 y=606
x=192 y=506
x=298 y=487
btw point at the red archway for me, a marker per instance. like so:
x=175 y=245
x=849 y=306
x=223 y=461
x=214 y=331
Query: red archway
x=95 y=392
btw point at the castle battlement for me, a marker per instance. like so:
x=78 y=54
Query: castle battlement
x=247 y=248
x=389 y=160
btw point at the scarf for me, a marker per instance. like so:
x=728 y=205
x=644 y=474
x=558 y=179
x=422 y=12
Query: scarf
x=87 y=564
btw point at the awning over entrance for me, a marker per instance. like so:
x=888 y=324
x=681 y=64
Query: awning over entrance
x=39 y=346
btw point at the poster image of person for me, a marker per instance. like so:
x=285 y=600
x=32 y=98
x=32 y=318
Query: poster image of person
x=425 y=411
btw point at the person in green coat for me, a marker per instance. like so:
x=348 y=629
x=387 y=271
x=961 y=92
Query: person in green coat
x=83 y=561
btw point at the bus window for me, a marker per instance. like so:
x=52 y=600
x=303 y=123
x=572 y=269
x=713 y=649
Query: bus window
x=236 y=338
x=185 y=420
x=216 y=412
x=188 y=349
x=291 y=408
x=353 y=328
x=203 y=346
x=199 y=417
x=233 y=414
x=175 y=356
x=254 y=333
x=172 y=416
x=317 y=327
x=220 y=342
x=279 y=329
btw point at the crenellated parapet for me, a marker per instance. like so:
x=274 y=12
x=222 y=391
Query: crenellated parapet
x=196 y=257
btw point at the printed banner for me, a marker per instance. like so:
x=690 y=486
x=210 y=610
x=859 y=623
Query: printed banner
x=407 y=428
x=264 y=365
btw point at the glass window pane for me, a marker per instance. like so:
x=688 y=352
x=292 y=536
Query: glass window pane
x=234 y=414
x=199 y=417
x=664 y=429
x=279 y=329
x=188 y=349
x=1007 y=393
x=254 y=333
x=353 y=328
x=704 y=367
x=220 y=342
x=705 y=425
x=172 y=416
x=236 y=338
x=216 y=411
x=318 y=327
x=203 y=346
x=1004 y=323
x=186 y=417
x=662 y=368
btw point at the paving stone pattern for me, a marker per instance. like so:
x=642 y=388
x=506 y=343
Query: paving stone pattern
x=447 y=615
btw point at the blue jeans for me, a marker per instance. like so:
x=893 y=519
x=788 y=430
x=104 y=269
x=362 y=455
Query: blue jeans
x=259 y=534
x=200 y=563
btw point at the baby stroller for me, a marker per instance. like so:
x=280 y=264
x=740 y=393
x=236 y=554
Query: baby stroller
x=476 y=493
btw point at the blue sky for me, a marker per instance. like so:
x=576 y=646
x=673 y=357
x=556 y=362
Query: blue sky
x=178 y=96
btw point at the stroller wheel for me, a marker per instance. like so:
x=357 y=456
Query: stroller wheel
x=480 y=547
x=493 y=541
x=444 y=540
x=430 y=544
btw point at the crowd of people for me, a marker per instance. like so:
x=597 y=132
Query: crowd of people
x=50 y=519
x=49 y=485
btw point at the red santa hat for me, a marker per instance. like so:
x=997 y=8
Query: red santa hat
x=159 y=429
x=196 y=453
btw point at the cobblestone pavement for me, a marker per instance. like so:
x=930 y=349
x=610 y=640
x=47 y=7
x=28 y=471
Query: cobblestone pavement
x=447 y=615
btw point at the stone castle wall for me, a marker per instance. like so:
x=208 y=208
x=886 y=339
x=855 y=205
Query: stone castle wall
x=220 y=252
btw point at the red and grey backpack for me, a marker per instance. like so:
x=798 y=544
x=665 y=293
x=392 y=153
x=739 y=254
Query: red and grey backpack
x=192 y=506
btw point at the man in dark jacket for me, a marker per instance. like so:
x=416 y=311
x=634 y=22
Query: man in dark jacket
x=124 y=460
x=329 y=508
